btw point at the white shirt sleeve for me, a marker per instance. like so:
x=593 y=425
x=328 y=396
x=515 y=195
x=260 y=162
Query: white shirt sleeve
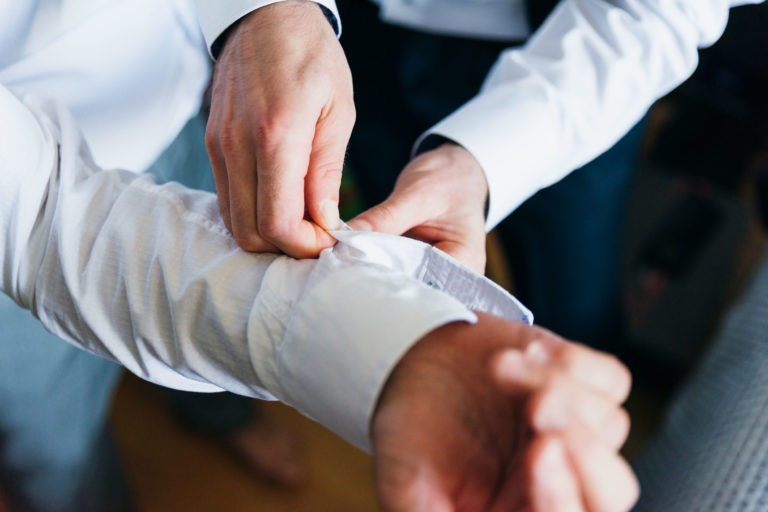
x=586 y=77
x=148 y=276
x=215 y=16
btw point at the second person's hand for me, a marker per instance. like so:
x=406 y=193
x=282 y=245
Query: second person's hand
x=501 y=416
x=439 y=198
x=281 y=115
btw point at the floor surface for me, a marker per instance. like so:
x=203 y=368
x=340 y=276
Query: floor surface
x=171 y=469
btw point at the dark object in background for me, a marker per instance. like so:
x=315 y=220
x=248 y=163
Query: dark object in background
x=717 y=119
x=682 y=238
x=676 y=243
x=761 y=190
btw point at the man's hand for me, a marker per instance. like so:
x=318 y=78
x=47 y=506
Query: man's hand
x=500 y=416
x=439 y=198
x=281 y=115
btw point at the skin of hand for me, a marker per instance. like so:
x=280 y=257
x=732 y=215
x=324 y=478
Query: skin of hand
x=439 y=198
x=500 y=416
x=282 y=113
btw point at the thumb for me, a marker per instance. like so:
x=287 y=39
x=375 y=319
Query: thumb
x=554 y=486
x=326 y=162
x=395 y=216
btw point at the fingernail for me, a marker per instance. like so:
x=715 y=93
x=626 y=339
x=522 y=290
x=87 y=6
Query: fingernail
x=512 y=366
x=330 y=212
x=537 y=353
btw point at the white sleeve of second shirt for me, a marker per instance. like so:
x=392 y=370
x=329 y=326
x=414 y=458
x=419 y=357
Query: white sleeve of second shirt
x=583 y=80
x=148 y=276
x=215 y=16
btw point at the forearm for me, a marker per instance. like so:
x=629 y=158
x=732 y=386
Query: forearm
x=148 y=276
x=582 y=81
x=118 y=265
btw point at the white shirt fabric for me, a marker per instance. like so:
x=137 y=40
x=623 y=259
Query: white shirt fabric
x=580 y=83
x=504 y=20
x=215 y=16
x=148 y=275
x=92 y=56
x=586 y=77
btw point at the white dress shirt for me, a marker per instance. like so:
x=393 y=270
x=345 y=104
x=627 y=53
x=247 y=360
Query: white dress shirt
x=587 y=76
x=92 y=56
x=215 y=16
x=148 y=275
x=583 y=80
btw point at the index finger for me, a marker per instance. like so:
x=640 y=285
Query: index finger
x=597 y=371
x=282 y=161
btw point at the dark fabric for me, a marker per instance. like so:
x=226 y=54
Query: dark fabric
x=564 y=247
x=762 y=195
x=538 y=10
x=564 y=243
x=405 y=82
x=711 y=451
x=99 y=492
x=216 y=414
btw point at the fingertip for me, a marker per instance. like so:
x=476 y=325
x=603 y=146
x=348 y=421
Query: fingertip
x=359 y=224
x=387 y=217
x=618 y=428
x=607 y=479
x=554 y=486
x=323 y=240
x=548 y=458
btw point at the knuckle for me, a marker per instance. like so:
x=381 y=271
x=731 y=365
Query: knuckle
x=569 y=357
x=623 y=423
x=247 y=238
x=621 y=376
x=211 y=138
x=385 y=213
x=272 y=129
x=266 y=132
x=348 y=112
x=327 y=169
x=248 y=243
x=228 y=138
x=624 y=376
x=272 y=228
